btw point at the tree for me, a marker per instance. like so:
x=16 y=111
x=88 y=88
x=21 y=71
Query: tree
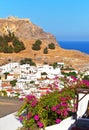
x=43 y=73
x=17 y=49
x=27 y=61
x=55 y=65
x=51 y=46
x=3 y=93
x=10 y=49
x=6 y=73
x=32 y=82
x=22 y=62
x=32 y=63
x=86 y=77
x=36 y=45
x=45 y=50
x=1 y=39
x=70 y=74
x=16 y=46
x=38 y=42
x=5 y=49
x=13 y=82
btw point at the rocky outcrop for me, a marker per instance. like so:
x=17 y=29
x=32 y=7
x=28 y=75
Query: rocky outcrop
x=25 y=29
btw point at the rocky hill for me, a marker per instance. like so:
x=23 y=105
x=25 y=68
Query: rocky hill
x=28 y=32
x=24 y=29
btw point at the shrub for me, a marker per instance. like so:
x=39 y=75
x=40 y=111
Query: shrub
x=70 y=74
x=36 y=45
x=27 y=61
x=32 y=63
x=45 y=50
x=5 y=49
x=32 y=82
x=51 y=46
x=6 y=73
x=86 y=77
x=50 y=109
x=38 y=42
x=55 y=65
x=3 y=93
x=18 y=45
x=13 y=82
x=8 y=49
x=43 y=73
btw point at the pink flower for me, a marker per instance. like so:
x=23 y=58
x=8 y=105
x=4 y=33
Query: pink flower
x=58 y=121
x=34 y=103
x=30 y=98
x=58 y=111
x=54 y=108
x=58 y=106
x=63 y=98
x=47 y=91
x=21 y=118
x=36 y=117
x=56 y=77
x=65 y=113
x=64 y=104
x=40 y=124
x=74 y=78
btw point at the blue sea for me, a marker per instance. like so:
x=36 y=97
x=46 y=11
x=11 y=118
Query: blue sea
x=82 y=46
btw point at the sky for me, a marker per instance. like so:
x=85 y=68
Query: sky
x=65 y=19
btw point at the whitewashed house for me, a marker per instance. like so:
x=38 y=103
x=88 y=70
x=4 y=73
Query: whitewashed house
x=10 y=76
x=20 y=84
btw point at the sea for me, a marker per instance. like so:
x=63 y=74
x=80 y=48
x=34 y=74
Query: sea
x=82 y=46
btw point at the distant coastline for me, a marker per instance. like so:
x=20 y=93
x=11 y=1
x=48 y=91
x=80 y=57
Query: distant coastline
x=82 y=46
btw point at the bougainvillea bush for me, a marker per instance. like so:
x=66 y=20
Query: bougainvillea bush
x=53 y=107
x=50 y=109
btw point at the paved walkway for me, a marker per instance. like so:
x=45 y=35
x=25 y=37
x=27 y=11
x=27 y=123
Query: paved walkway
x=9 y=105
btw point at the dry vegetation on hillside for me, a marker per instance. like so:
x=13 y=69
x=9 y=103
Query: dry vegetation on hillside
x=28 y=32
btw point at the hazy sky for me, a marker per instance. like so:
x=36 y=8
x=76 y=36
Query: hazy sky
x=66 y=19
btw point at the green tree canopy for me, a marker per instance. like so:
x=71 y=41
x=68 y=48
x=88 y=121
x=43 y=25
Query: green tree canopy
x=37 y=45
x=15 y=46
x=45 y=50
x=13 y=82
x=51 y=46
